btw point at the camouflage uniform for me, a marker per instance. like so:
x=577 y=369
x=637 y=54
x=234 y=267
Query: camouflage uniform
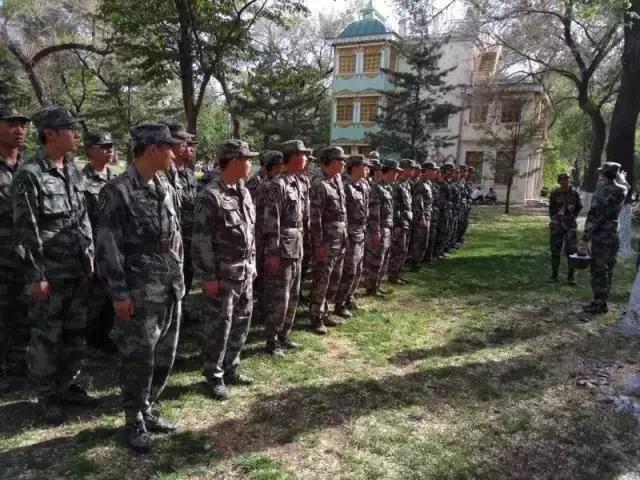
x=564 y=208
x=357 y=203
x=435 y=221
x=402 y=221
x=255 y=181
x=601 y=229
x=380 y=221
x=305 y=185
x=328 y=226
x=445 y=214
x=422 y=204
x=224 y=250
x=140 y=255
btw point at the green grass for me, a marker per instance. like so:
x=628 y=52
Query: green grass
x=469 y=372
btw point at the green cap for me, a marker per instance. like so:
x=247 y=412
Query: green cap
x=407 y=163
x=563 y=176
x=373 y=155
x=291 y=147
x=391 y=165
x=98 y=139
x=357 y=160
x=448 y=167
x=272 y=158
x=8 y=113
x=151 y=134
x=177 y=130
x=233 y=148
x=54 y=117
x=429 y=166
x=332 y=153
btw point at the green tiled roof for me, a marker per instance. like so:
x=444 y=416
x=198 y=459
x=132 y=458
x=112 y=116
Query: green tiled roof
x=366 y=26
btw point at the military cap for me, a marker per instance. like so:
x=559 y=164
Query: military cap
x=374 y=163
x=98 y=139
x=145 y=133
x=272 y=158
x=407 y=163
x=472 y=169
x=429 y=166
x=177 y=130
x=563 y=176
x=391 y=165
x=54 y=117
x=374 y=155
x=291 y=147
x=357 y=160
x=8 y=113
x=192 y=140
x=332 y=153
x=463 y=168
x=448 y=166
x=610 y=168
x=233 y=148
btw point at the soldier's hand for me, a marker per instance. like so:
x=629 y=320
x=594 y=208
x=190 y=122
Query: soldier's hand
x=376 y=238
x=211 y=288
x=273 y=264
x=40 y=291
x=319 y=254
x=123 y=309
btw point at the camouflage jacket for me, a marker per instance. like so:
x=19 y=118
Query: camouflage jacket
x=305 y=185
x=259 y=201
x=185 y=185
x=445 y=198
x=422 y=201
x=50 y=219
x=255 y=181
x=564 y=205
x=8 y=257
x=602 y=219
x=402 y=212
x=283 y=217
x=139 y=245
x=357 y=195
x=328 y=214
x=94 y=182
x=224 y=244
x=456 y=198
x=380 y=208
x=435 y=193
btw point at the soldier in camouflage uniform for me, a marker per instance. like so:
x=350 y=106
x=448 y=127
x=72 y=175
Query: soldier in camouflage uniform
x=434 y=173
x=601 y=229
x=224 y=255
x=139 y=254
x=14 y=327
x=357 y=201
x=256 y=180
x=379 y=225
x=402 y=220
x=305 y=185
x=445 y=221
x=99 y=148
x=564 y=208
x=282 y=231
x=328 y=225
x=51 y=221
x=422 y=204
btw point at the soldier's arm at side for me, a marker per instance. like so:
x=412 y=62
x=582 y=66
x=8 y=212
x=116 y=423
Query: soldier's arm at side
x=203 y=250
x=270 y=221
x=317 y=196
x=87 y=232
x=373 y=221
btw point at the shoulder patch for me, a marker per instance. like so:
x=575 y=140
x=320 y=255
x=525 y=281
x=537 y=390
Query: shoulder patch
x=20 y=187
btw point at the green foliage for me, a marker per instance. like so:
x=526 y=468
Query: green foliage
x=12 y=87
x=213 y=128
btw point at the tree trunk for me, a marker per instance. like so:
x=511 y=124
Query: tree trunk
x=598 y=137
x=186 y=60
x=234 y=127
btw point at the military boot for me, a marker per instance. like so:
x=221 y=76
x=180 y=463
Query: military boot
x=596 y=308
x=332 y=321
x=274 y=349
x=290 y=344
x=238 y=379
x=217 y=389
x=571 y=277
x=343 y=311
x=76 y=395
x=138 y=438
x=317 y=325
x=155 y=423
x=555 y=266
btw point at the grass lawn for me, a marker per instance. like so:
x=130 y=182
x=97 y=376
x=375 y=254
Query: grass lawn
x=469 y=372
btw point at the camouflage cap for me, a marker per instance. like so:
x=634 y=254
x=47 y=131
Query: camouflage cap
x=54 y=117
x=374 y=155
x=177 y=129
x=272 y=158
x=358 y=160
x=610 y=168
x=291 y=147
x=374 y=163
x=448 y=167
x=332 y=153
x=391 y=165
x=234 y=148
x=563 y=176
x=429 y=166
x=463 y=168
x=407 y=163
x=151 y=134
x=192 y=140
x=8 y=113
x=98 y=139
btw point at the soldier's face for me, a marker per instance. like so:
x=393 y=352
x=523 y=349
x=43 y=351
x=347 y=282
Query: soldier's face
x=275 y=169
x=564 y=183
x=358 y=172
x=190 y=151
x=101 y=154
x=335 y=167
x=243 y=164
x=298 y=162
x=63 y=139
x=162 y=155
x=13 y=133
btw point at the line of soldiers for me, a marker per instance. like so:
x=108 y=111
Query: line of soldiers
x=89 y=255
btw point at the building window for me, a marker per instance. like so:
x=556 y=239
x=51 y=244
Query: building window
x=372 y=60
x=440 y=118
x=344 y=110
x=478 y=113
x=510 y=111
x=475 y=160
x=392 y=60
x=369 y=109
x=347 y=62
x=503 y=168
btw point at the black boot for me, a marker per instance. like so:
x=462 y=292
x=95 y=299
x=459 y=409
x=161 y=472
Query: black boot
x=156 y=423
x=571 y=277
x=138 y=437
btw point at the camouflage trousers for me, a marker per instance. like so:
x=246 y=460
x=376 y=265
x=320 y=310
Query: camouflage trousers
x=433 y=232
x=306 y=256
x=225 y=325
x=147 y=344
x=374 y=258
x=326 y=279
x=187 y=266
x=442 y=234
x=259 y=309
x=398 y=253
x=419 y=243
x=58 y=336
x=563 y=237
x=100 y=312
x=351 y=271
x=281 y=301
x=603 y=253
x=14 y=323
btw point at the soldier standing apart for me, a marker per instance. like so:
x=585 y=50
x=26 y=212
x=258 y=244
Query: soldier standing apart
x=282 y=232
x=357 y=194
x=422 y=207
x=564 y=208
x=51 y=221
x=402 y=221
x=14 y=327
x=379 y=225
x=328 y=226
x=601 y=229
x=99 y=148
x=224 y=255
x=140 y=255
